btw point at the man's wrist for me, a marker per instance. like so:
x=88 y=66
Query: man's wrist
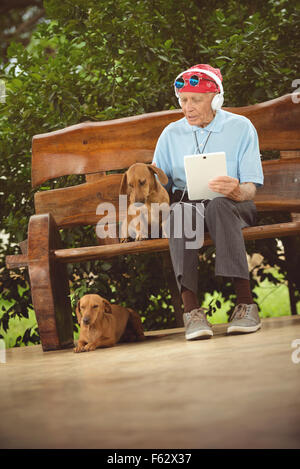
x=246 y=191
x=238 y=195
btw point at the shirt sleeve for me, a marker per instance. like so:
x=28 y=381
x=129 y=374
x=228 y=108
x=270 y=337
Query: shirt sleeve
x=162 y=157
x=250 y=167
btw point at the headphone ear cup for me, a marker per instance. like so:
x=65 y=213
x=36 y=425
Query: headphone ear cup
x=217 y=102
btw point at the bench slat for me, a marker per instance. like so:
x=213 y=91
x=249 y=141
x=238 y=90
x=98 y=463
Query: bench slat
x=276 y=204
x=281 y=189
x=97 y=146
x=17 y=261
x=111 y=145
x=157 y=245
x=77 y=205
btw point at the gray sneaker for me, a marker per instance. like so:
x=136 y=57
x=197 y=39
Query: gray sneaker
x=244 y=319
x=196 y=325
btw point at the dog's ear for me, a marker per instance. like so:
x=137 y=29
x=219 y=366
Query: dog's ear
x=123 y=186
x=107 y=307
x=160 y=173
x=78 y=313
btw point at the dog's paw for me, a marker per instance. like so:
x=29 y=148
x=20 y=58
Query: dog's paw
x=140 y=237
x=89 y=347
x=124 y=240
x=78 y=348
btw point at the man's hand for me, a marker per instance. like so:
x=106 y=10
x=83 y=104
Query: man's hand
x=231 y=188
x=228 y=186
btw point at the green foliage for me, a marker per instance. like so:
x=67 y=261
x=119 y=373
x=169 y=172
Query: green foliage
x=97 y=60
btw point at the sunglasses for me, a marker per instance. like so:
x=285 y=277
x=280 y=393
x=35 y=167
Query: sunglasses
x=194 y=80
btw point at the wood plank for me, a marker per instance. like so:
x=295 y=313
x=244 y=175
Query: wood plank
x=95 y=176
x=97 y=146
x=59 y=382
x=277 y=122
x=106 y=252
x=258 y=405
x=16 y=261
x=281 y=189
x=275 y=204
x=77 y=205
x=49 y=285
x=111 y=145
x=157 y=245
x=289 y=154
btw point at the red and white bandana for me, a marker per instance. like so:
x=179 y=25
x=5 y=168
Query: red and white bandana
x=206 y=83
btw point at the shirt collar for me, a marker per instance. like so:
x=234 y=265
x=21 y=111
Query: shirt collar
x=216 y=125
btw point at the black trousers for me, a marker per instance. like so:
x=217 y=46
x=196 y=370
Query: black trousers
x=224 y=219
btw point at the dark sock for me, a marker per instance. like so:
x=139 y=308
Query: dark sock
x=242 y=290
x=190 y=300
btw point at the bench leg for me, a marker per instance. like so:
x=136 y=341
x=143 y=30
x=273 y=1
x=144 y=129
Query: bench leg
x=49 y=284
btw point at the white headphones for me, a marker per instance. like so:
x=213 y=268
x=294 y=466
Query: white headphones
x=218 y=100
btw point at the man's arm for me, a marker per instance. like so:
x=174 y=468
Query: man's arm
x=248 y=190
x=231 y=188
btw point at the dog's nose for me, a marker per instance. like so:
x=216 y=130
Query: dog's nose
x=86 y=320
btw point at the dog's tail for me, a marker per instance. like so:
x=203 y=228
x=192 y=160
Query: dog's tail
x=134 y=331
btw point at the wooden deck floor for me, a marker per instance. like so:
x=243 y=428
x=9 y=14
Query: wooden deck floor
x=225 y=392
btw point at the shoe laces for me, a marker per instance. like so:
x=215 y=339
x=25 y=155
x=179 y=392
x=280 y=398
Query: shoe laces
x=199 y=313
x=239 y=311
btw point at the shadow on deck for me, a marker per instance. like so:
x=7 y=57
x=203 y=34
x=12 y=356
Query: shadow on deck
x=225 y=392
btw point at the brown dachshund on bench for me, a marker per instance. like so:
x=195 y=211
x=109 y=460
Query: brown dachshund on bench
x=103 y=324
x=142 y=187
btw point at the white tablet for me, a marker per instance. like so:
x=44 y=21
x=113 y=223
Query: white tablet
x=199 y=169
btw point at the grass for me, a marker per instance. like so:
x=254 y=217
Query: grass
x=17 y=326
x=273 y=301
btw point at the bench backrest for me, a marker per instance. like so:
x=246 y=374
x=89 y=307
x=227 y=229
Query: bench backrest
x=99 y=147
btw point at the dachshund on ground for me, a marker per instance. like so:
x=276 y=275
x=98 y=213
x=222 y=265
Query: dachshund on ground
x=143 y=189
x=103 y=324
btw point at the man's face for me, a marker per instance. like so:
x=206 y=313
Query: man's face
x=197 y=108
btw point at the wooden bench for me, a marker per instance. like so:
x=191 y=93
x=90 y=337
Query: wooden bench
x=95 y=148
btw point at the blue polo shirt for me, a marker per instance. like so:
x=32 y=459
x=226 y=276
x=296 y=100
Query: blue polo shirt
x=231 y=133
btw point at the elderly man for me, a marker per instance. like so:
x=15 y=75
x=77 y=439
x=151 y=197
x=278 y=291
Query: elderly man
x=206 y=126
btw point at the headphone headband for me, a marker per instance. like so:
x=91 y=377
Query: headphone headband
x=206 y=72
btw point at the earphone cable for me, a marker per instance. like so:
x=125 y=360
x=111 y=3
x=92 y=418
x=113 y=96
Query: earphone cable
x=200 y=153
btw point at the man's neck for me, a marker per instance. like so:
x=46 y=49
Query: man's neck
x=209 y=120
